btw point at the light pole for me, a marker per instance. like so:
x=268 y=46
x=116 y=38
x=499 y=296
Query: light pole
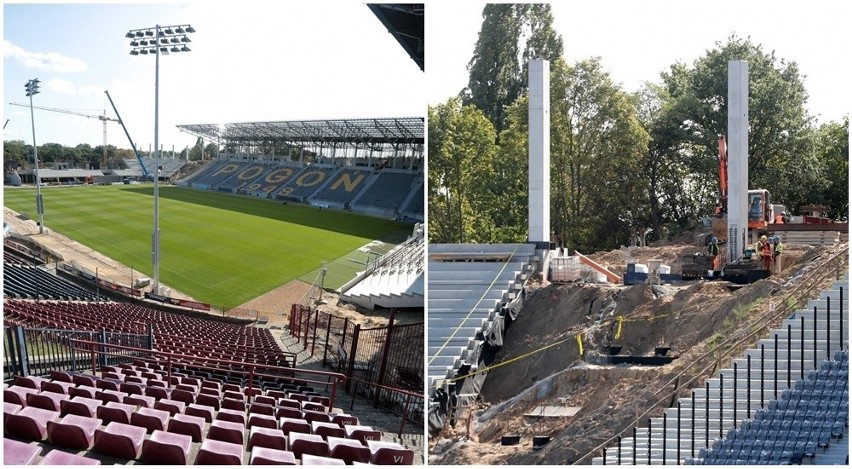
x=158 y=40
x=32 y=89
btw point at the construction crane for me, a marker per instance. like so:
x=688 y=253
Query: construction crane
x=145 y=173
x=104 y=118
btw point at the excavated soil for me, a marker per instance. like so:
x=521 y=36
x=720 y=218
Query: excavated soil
x=688 y=318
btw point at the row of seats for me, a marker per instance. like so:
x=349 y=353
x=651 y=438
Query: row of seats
x=21 y=281
x=77 y=411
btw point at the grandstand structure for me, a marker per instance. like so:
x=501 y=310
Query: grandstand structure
x=91 y=380
x=370 y=166
x=785 y=401
x=394 y=280
x=474 y=289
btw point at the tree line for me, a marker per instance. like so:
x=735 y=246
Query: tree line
x=621 y=162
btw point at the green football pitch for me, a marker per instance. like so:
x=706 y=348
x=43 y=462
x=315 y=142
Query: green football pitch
x=219 y=248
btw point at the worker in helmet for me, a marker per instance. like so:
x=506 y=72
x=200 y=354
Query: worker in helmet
x=713 y=250
x=776 y=254
x=766 y=253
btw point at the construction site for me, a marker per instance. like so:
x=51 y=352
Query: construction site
x=539 y=355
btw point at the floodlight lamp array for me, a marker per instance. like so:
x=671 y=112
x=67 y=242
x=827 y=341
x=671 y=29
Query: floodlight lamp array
x=169 y=39
x=32 y=87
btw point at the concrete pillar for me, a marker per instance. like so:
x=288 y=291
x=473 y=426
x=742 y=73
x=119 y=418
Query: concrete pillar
x=737 y=157
x=539 y=148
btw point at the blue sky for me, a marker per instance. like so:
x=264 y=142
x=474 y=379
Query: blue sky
x=250 y=61
x=639 y=39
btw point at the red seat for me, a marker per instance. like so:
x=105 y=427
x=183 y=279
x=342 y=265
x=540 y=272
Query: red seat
x=119 y=440
x=237 y=396
x=258 y=408
x=157 y=392
x=139 y=401
x=311 y=460
x=268 y=400
x=89 y=392
x=234 y=404
x=30 y=423
x=289 y=403
x=229 y=415
x=260 y=420
x=313 y=416
x=203 y=411
x=219 y=452
x=268 y=438
x=115 y=412
x=208 y=400
x=9 y=409
x=56 y=386
x=327 y=429
x=133 y=388
x=172 y=407
x=32 y=382
x=17 y=395
x=16 y=453
x=46 y=400
x=135 y=379
x=85 y=380
x=82 y=406
x=166 y=448
x=187 y=425
x=150 y=419
x=72 y=431
x=294 y=425
x=107 y=395
x=345 y=419
x=231 y=432
x=187 y=397
x=362 y=433
x=110 y=383
x=313 y=406
x=265 y=456
x=348 y=450
x=386 y=453
x=288 y=412
x=305 y=443
x=63 y=376
x=232 y=387
x=61 y=458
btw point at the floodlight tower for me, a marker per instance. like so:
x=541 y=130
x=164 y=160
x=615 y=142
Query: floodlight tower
x=32 y=89
x=158 y=40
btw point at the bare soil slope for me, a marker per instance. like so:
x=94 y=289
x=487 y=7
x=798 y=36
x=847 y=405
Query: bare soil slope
x=690 y=319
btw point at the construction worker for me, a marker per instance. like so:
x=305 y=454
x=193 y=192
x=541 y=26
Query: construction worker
x=766 y=253
x=713 y=250
x=776 y=254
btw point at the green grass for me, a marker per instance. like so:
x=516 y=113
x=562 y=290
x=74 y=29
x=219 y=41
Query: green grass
x=219 y=248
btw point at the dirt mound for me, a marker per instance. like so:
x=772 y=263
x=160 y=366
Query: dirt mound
x=690 y=319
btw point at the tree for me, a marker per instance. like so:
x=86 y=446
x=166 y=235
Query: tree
x=831 y=147
x=695 y=112
x=461 y=151
x=511 y=35
x=211 y=150
x=17 y=154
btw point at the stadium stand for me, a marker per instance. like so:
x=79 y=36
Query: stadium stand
x=387 y=193
x=394 y=280
x=21 y=281
x=170 y=166
x=413 y=207
x=244 y=176
x=792 y=410
x=308 y=181
x=342 y=187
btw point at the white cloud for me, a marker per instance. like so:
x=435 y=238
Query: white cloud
x=61 y=86
x=47 y=61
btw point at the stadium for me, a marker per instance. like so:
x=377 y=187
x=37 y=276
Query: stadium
x=283 y=322
x=541 y=355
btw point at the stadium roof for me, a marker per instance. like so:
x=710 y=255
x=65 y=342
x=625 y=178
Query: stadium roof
x=403 y=130
x=405 y=22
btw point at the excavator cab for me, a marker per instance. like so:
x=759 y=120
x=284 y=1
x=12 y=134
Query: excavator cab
x=760 y=210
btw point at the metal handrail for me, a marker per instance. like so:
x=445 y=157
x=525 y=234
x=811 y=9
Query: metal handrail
x=408 y=395
x=250 y=367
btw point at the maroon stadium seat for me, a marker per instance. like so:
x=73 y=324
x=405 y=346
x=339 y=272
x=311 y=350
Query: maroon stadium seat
x=171 y=406
x=89 y=392
x=30 y=423
x=107 y=395
x=149 y=419
x=288 y=425
x=133 y=388
x=56 y=386
x=348 y=450
x=288 y=412
x=386 y=453
x=187 y=425
x=61 y=458
x=110 y=383
x=85 y=380
x=268 y=400
x=166 y=448
x=260 y=420
x=157 y=392
x=208 y=400
x=345 y=419
x=219 y=452
x=268 y=438
x=290 y=403
x=234 y=404
x=72 y=431
x=305 y=443
x=313 y=406
x=258 y=408
x=237 y=396
x=362 y=433
x=327 y=429
x=187 y=397
x=119 y=440
x=314 y=416
x=229 y=415
x=46 y=400
x=203 y=411
x=17 y=395
x=32 y=382
x=63 y=376
x=265 y=456
x=135 y=379
x=16 y=453
x=231 y=432
x=10 y=408
x=139 y=401
x=82 y=406
x=115 y=412
x=311 y=460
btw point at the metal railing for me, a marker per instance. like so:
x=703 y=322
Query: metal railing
x=404 y=399
x=250 y=370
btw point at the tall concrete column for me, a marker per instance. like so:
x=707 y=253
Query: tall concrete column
x=737 y=157
x=539 y=148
